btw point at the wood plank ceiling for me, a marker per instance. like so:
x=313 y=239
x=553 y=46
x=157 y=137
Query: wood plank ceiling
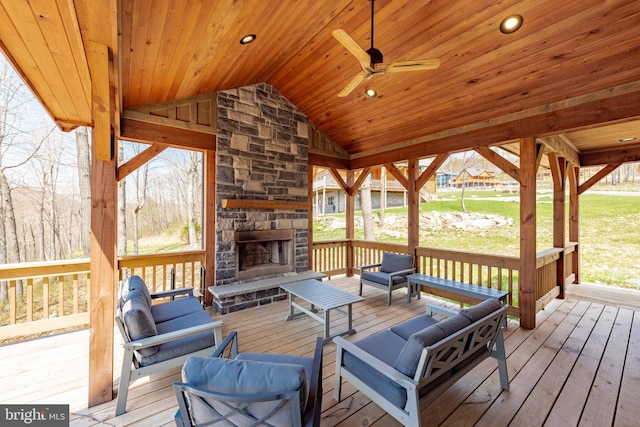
x=572 y=68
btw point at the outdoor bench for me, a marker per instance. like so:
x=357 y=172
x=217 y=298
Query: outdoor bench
x=417 y=280
x=402 y=369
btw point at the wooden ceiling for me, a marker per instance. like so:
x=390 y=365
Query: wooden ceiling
x=572 y=70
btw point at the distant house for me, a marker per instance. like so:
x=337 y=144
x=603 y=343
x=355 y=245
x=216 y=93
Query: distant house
x=473 y=178
x=329 y=197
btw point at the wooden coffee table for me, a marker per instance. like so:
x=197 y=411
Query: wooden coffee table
x=324 y=297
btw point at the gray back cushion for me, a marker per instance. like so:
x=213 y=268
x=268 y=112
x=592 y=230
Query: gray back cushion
x=137 y=318
x=408 y=359
x=395 y=262
x=134 y=283
x=248 y=378
x=478 y=311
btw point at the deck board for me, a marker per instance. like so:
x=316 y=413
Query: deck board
x=580 y=366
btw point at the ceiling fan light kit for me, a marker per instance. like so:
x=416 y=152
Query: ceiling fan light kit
x=371 y=60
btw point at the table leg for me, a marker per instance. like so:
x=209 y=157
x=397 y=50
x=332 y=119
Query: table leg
x=291 y=308
x=327 y=335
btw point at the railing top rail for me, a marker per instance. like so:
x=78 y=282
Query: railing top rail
x=28 y=270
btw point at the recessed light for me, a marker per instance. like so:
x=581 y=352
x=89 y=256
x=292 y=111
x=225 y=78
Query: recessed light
x=248 y=39
x=511 y=24
x=628 y=139
x=370 y=93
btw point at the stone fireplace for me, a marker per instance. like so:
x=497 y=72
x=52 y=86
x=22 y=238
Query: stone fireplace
x=261 y=155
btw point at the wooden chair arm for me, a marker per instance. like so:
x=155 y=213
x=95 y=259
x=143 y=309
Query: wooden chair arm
x=402 y=272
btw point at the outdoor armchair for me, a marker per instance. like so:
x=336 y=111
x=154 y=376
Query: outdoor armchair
x=256 y=389
x=157 y=337
x=388 y=275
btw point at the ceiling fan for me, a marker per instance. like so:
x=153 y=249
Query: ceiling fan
x=371 y=60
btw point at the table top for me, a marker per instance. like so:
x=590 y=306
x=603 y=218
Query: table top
x=320 y=294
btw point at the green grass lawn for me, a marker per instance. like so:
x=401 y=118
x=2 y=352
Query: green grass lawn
x=609 y=231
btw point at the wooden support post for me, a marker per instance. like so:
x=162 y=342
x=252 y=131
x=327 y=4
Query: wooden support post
x=413 y=207
x=209 y=222
x=102 y=290
x=574 y=217
x=310 y=214
x=350 y=232
x=558 y=171
x=527 y=274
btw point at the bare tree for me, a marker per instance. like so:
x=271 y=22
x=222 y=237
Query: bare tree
x=191 y=199
x=13 y=97
x=141 y=177
x=367 y=211
x=122 y=207
x=84 y=184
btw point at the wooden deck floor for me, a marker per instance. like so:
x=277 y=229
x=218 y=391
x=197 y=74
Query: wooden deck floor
x=580 y=366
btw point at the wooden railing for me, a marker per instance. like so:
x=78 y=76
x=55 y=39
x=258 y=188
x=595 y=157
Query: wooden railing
x=54 y=296
x=156 y=269
x=330 y=257
x=46 y=284
x=486 y=270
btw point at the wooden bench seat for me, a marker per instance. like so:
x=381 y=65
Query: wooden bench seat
x=417 y=281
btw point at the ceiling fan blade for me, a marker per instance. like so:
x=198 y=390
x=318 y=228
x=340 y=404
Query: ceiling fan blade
x=350 y=44
x=419 y=65
x=359 y=78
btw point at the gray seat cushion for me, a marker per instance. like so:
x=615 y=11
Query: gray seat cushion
x=185 y=345
x=174 y=309
x=382 y=278
x=247 y=378
x=137 y=318
x=386 y=346
x=410 y=327
x=395 y=262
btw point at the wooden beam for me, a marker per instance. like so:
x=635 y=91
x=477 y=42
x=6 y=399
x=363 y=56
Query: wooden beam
x=328 y=161
x=505 y=165
x=209 y=222
x=359 y=181
x=540 y=149
x=263 y=204
x=310 y=251
x=343 y=185
x=140 y=159
x=527 y=274
x=554 y=166
x=104 y=206
x=597 y=177
x=558 y=171
x=413 y=213
x=399 y=176
x=150 y=133
x=350 y=227
x=430 y=170
x=561 y=145
x=545 y=120
x=98 y=58
x=574 y=217
x=623 y=154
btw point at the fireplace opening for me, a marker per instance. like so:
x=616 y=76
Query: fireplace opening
x=263 y=253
